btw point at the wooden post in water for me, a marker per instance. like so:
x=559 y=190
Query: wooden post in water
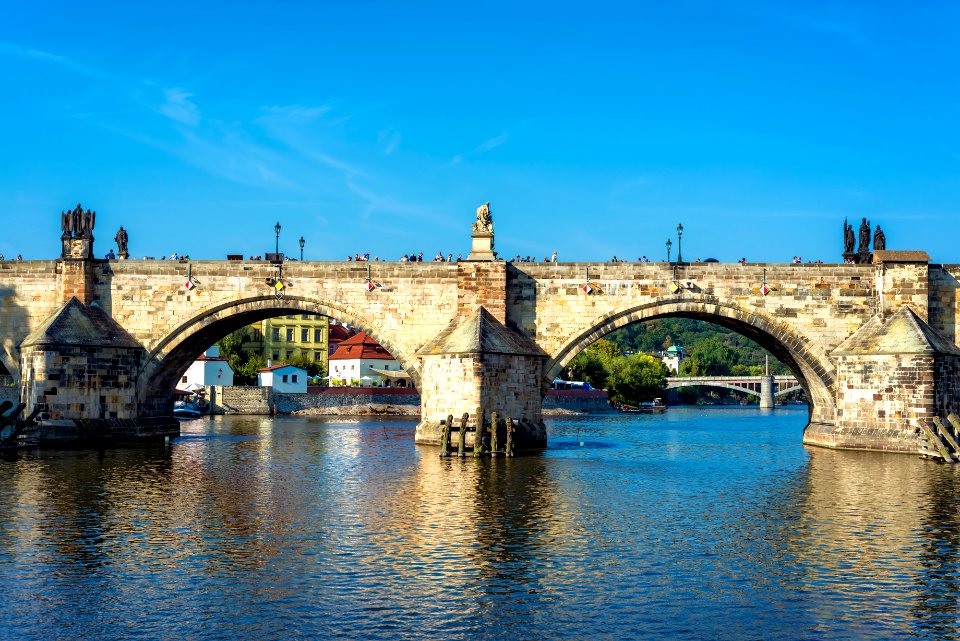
x=936 y=442
x=494 y=420
x=478 y=435
x=945 y=433
x=462 y=441
x=509 y=448
x=954 y=421
x=445 y=436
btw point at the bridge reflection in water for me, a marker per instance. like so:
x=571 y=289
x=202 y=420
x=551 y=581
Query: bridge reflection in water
x=698 y=523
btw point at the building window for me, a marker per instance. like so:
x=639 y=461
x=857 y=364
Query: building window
x=318 y=336
x=305 y=316
x=289 y=334
x=183 y=380
x=257 y=335
x=304 y=335
x=276 y=333
x=284 y=378
x=276 y=356
x=293 y=379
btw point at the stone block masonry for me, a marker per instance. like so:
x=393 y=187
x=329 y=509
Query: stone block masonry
x=805 y=314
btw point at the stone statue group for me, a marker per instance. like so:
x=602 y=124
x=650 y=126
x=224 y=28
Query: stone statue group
x=77 y=223
x=863 y=249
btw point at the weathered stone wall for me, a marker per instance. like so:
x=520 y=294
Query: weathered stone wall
x=240 y=400
x=409 y=305
x=11 y=394
x=881 y=399
x=73 y=382
x=351 y=400
x=942 y=302
x=461 y=383
x=29 y=294
x=586 y=401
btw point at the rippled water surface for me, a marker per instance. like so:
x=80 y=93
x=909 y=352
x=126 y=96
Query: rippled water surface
x=695 y=524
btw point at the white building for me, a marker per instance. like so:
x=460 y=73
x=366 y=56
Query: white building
x=283 y=378
x=360 y=360
x=672 y=357
x=209 y=369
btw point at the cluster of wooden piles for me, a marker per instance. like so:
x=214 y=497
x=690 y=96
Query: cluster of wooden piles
x=939 y=441
x=488 y=438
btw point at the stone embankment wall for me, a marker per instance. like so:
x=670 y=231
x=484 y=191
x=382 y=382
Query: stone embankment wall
x=579 y=401
x=370 y=401
x=239 y=400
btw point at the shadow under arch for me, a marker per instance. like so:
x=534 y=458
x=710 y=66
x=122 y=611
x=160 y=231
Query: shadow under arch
x=163 y=365
x=814 y=372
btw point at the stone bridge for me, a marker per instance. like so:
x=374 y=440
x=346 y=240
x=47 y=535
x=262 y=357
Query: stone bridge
x=873 y=345
x=766 y=387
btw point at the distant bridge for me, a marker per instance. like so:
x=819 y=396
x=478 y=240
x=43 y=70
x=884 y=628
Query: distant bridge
x=766 y=387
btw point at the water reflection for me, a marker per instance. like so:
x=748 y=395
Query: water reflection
x=697 y=524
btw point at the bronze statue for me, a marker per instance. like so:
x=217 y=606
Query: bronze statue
x=864 y=247
x=121 y=239
x=848 y=239
x=879 y=240
x=484 y=219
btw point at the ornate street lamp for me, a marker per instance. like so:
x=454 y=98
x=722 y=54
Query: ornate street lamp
x=302 y=241
x=276 y=250
x=669 y=244
x=679 y=250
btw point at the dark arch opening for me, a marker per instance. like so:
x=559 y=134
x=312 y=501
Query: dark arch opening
x=815 y=376
x=164 y=365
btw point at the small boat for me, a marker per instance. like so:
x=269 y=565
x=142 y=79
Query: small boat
x=186 y=409
x=646 y=407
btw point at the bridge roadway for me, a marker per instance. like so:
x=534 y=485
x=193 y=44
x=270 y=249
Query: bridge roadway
x=766 y=387
x=871 y=344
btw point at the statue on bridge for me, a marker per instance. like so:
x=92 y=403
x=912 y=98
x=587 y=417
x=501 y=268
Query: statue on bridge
x=484 y=219
x=848 y=239
x=121 y=239
x=864 y=247
x=77 y=223
x=879 y=240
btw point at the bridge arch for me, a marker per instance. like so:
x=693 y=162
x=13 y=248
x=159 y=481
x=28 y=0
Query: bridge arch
x=814 y=371
x=171 y=355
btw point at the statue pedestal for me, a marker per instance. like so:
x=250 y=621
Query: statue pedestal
x=482 y=248
x=77 y=248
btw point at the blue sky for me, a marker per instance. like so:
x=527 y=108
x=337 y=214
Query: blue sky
x=592 y=128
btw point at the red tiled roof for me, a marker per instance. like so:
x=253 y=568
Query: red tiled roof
x=338 y=334
x=360 y=346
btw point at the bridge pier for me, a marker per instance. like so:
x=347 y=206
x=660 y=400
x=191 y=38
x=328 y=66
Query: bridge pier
x=477 y=365
x=766 y=392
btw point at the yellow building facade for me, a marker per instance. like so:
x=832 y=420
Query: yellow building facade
x=283 y=338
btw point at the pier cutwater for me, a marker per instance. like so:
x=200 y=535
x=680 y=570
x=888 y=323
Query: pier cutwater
x=102 y=344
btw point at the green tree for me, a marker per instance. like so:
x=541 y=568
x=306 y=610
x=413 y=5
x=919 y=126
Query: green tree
x=246 y=373
x=709 y=357
x=635 y=378
x=587 y=366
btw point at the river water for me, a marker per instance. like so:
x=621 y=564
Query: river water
x=694 y=524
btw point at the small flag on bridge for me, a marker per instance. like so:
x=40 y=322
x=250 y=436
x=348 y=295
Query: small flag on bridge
x=587 y=289
x=370 y=286
x=764 y=290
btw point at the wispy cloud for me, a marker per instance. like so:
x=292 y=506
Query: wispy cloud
x=179 y=107
x=493 y=143
x=388 y=141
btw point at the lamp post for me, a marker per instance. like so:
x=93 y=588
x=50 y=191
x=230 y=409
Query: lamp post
x=679 y=250
x=669 y=244
x=276 y=250
x=302 y=241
